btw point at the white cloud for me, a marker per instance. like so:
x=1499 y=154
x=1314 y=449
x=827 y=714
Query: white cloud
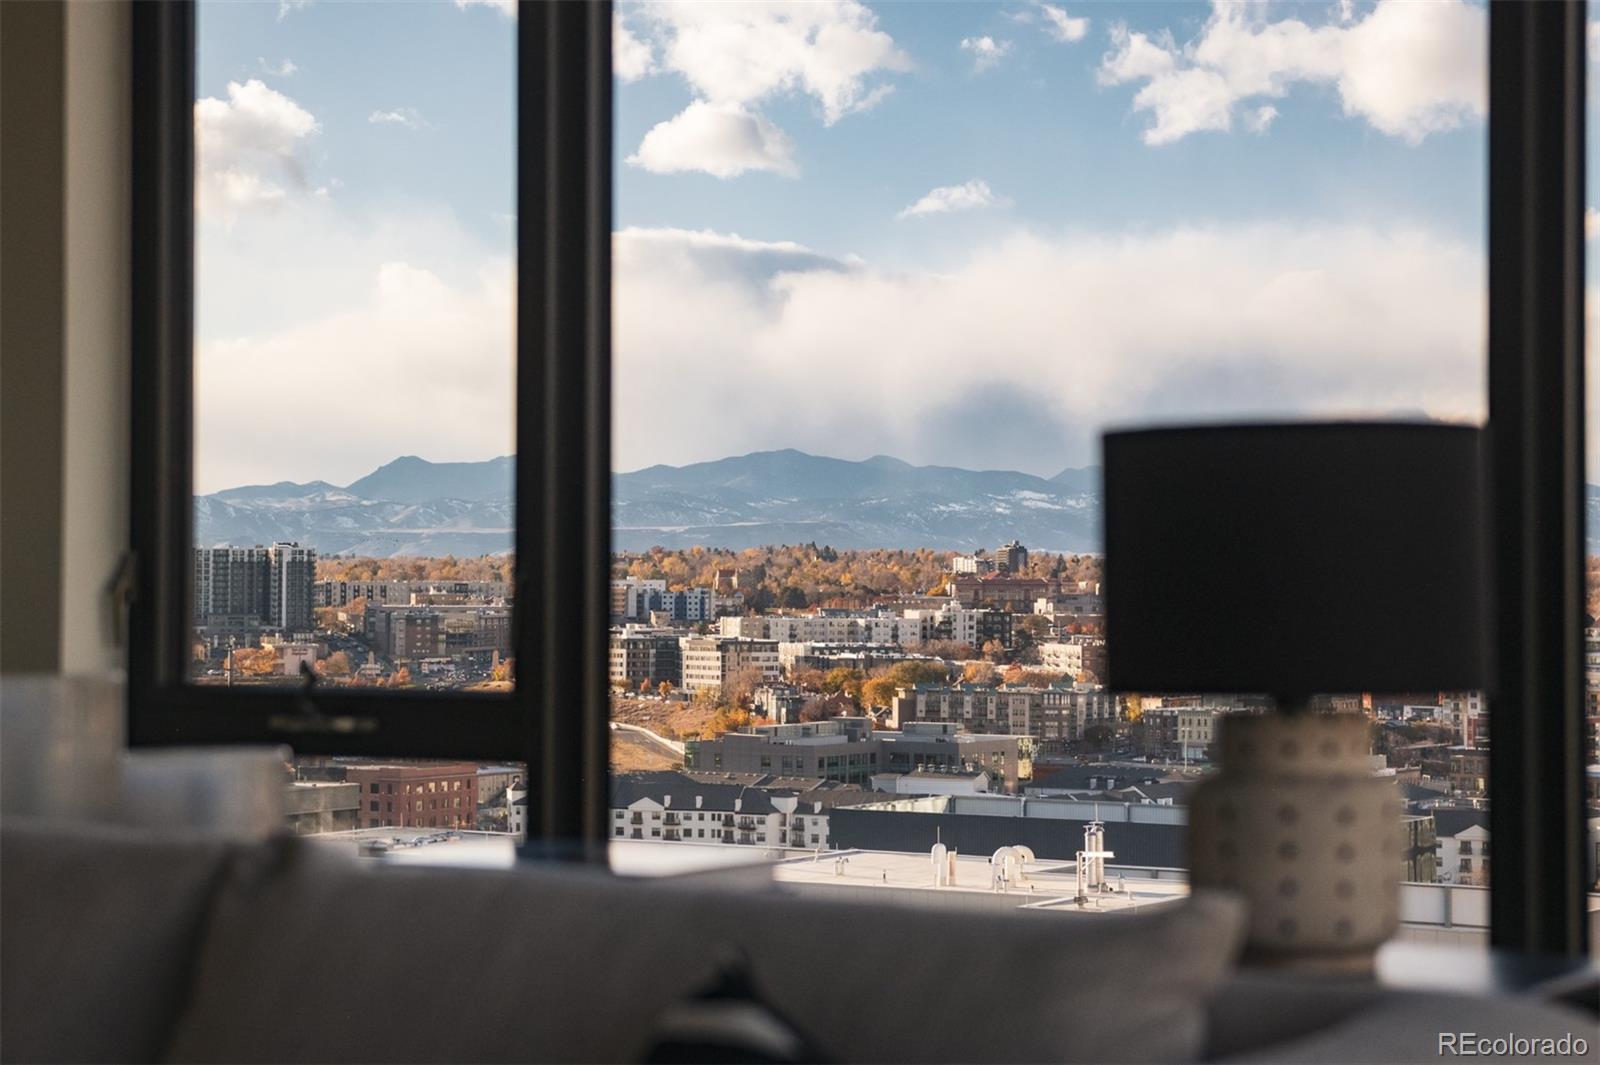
x=723 y=140
x=248 y=148
x=1183 y=324
x=286 y=6
x=1408 y=69
x=986 y=51
x=508 y=8
x=1591 y=223
x=409 y=117
x=967 y=196
x=1260 y=119
x=1594 y=40
x=408 y=311
x=735 y=56
x=742 y=53
x=1062 y=26
x=631 y=57
x=281 y=70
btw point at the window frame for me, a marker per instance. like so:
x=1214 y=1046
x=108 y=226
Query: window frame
x=1536 y=432
x=1538 y=66
x=562 y=500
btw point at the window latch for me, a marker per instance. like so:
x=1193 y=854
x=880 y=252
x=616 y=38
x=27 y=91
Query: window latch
x=307 y=718
x=119 y=595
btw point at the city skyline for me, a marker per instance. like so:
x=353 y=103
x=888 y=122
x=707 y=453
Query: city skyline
x=964 y=234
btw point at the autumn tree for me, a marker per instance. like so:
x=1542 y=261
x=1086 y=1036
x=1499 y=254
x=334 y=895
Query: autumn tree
x=335 y=665
x=255 y=661
x=978 y=673
x=1036 y=627
x=844 y=679
x=952 y=650
x=739 y=687
x=400 y=678
x=664 y=688
x=807 y=678
x=880 y=690
x=726 y=719
x=824 y=707
x=1133 y=707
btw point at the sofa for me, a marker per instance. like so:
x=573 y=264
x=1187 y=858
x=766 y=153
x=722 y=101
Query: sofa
x=119 y=944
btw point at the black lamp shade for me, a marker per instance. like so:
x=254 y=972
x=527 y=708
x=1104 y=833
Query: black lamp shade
x=1293 y=560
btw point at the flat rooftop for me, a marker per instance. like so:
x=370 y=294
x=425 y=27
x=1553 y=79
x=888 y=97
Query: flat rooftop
x=1047 y=884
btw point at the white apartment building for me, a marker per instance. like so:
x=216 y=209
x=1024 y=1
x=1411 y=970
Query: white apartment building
x=825 y=628
x=1463 y=846
x=631 y=596
x=686 y=811
x=1052 y=716
x=401 y=593
x=708 y=661
x=1085 y=654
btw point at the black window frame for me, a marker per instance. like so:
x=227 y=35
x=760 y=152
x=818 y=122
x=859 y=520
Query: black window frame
x=562 y=501
x=1536 y=142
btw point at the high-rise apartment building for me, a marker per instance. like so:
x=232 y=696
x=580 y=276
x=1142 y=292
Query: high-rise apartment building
x=254 y=587
x=1011 y=558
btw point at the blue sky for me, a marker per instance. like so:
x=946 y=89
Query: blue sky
x=1153 y=212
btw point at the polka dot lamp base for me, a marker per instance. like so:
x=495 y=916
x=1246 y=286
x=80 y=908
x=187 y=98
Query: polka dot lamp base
x=1296 y=823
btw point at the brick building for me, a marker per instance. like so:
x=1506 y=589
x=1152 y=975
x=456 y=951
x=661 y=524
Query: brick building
x=436 y=795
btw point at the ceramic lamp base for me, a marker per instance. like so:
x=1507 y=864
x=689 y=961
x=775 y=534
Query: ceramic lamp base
x=1295 y=822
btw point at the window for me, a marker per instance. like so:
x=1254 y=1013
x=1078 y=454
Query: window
x=238 y=152
x=937 y=253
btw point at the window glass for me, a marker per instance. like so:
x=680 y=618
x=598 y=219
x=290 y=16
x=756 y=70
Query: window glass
x=883 y=274
x=354 y=355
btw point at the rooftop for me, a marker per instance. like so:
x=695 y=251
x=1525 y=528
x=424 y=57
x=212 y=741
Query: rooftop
x=1042 y=885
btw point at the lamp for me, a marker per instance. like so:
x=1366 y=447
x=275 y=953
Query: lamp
x=1293 y=560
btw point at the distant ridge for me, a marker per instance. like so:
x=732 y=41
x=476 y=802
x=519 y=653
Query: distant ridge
x=415 y=507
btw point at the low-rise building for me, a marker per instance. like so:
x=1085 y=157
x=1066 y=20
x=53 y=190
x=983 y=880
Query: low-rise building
x=1052 y=716
x=779 y=702
x=1197 y=732
x=865 y=657
x=642 y=655
x=639 y=599
x=926 y=782
x=1075 y=656
x=316 y=806
x=413 y=633
x=407 y=593
x=423 y=795
x=708 y=661
x=682 y=808
x=1462 y=845
x=1469 y=771
x=849 y=750
x=1000 y=591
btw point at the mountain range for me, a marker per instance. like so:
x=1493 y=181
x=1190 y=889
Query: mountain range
x=415 y=507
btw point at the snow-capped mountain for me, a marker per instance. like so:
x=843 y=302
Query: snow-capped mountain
x=414 y=507
x=773 y=497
